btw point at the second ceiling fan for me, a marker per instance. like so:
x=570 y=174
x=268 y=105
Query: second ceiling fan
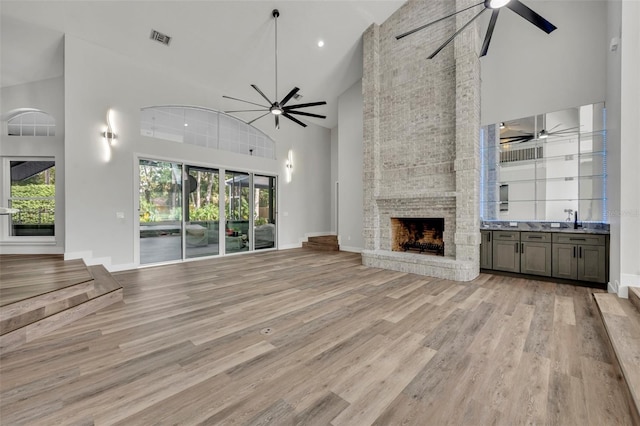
x=281 y=108
x=495 y=5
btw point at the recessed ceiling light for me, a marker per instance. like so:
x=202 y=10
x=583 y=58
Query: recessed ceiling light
x=320 y=43
x=186 y=124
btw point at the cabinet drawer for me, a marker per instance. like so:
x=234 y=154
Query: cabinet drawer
x=583 y=239
x=537 y=237
x=506 y=235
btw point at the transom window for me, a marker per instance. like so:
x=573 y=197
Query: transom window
x=31 y=123
x=206 y=128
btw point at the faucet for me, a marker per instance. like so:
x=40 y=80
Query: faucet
x=569 y=213
x=576 y=225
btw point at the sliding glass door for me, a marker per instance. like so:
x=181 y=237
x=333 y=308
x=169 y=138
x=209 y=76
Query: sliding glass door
x=202 y=218
x=264 y=213
x=160 y=211
x=238 y=203
x=182 y=217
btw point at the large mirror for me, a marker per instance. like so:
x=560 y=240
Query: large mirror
x=548 y=167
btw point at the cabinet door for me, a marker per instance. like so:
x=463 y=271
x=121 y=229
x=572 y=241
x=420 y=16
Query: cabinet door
x=565 y=261
x=592 y=264
x=506 y=255
x=535 y=258
x=486 y=251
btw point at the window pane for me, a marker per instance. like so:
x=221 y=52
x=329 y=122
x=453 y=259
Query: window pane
x=33 y=193
x=237 y=186
x=160 y=211
x=264 y=219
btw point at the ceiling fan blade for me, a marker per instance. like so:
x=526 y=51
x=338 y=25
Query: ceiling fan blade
x=258 y=118
x=294 y=119
x=415 y=30
x=277 y=121
x=247 y=110
x=242 y=100
x=567 y=130
x=262 y=94
x=487 y=37
x=289 y=96
x=308 y=114
x=310 y=104
x=531 y=16
x=514 y=139
x=455 y=34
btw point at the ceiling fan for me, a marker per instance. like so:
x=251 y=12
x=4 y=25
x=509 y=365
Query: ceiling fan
x=276 y=108
x=542 y=134
x=495 y=6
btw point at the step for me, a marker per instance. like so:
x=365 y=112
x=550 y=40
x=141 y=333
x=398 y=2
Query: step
x=634 y=297
x=621 y=321
x=25 y=320
x=320 y=246
x=324 y=239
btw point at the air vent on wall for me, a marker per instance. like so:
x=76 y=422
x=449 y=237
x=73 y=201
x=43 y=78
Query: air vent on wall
x=159 y=37
x=521 y=154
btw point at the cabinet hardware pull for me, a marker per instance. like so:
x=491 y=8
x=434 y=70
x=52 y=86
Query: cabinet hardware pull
x=521 y=247
x=577 y=239
x=580 y=252
x=489 y=237
x=536 y=237
x=574 y=251
x=505 y=236
x=516 y=247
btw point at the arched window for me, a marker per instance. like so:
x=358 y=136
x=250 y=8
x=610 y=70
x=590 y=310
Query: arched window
x=30 y=122
x=205 y=127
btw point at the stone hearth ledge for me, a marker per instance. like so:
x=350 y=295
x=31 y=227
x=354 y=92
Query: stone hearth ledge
x=434 y=266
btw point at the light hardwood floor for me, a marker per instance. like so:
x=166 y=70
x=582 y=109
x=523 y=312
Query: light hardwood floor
x=315 y=338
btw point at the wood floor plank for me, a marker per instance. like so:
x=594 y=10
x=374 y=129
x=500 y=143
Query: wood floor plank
x=315 y=338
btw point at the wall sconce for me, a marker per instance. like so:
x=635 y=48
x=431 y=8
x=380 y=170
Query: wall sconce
x=289 y=165
x=109 y=134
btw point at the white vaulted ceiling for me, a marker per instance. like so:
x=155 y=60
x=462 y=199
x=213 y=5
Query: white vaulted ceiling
x=225 y=45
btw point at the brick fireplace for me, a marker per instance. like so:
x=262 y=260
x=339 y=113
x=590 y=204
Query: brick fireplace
x=421 y=139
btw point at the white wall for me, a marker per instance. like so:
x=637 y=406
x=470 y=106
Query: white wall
x=350 y=198
x=528 y=72
x=629 y=210
x=97 y=80
x=46 y=95
x=334 y=179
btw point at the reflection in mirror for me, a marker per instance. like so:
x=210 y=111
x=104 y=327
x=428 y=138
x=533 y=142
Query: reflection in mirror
x=551 y=165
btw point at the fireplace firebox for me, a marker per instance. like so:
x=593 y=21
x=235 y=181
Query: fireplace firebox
x=422 y=235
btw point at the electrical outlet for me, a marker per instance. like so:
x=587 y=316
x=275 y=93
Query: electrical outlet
x=119 y=215
x=555 y=225
x=513 y=223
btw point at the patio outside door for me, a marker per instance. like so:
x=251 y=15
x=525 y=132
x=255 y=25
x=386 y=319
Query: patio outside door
x=160 y=211
x=201 y=214
x=264 y=213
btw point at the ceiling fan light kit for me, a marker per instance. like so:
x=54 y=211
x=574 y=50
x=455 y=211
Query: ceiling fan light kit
x=275 y=108
x=495 y=6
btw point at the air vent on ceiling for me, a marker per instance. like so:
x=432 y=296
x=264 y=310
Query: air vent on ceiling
x=159 y=37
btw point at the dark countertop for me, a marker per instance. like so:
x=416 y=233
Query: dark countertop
x=565 y=227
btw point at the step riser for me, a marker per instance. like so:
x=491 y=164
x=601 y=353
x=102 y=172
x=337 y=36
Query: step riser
x=317 y=246
x=634 y=297
x=16 y=338
x=621 y=323
x=25 y=312
x=30 y=318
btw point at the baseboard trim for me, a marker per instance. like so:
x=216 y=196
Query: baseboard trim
x=351 y=249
